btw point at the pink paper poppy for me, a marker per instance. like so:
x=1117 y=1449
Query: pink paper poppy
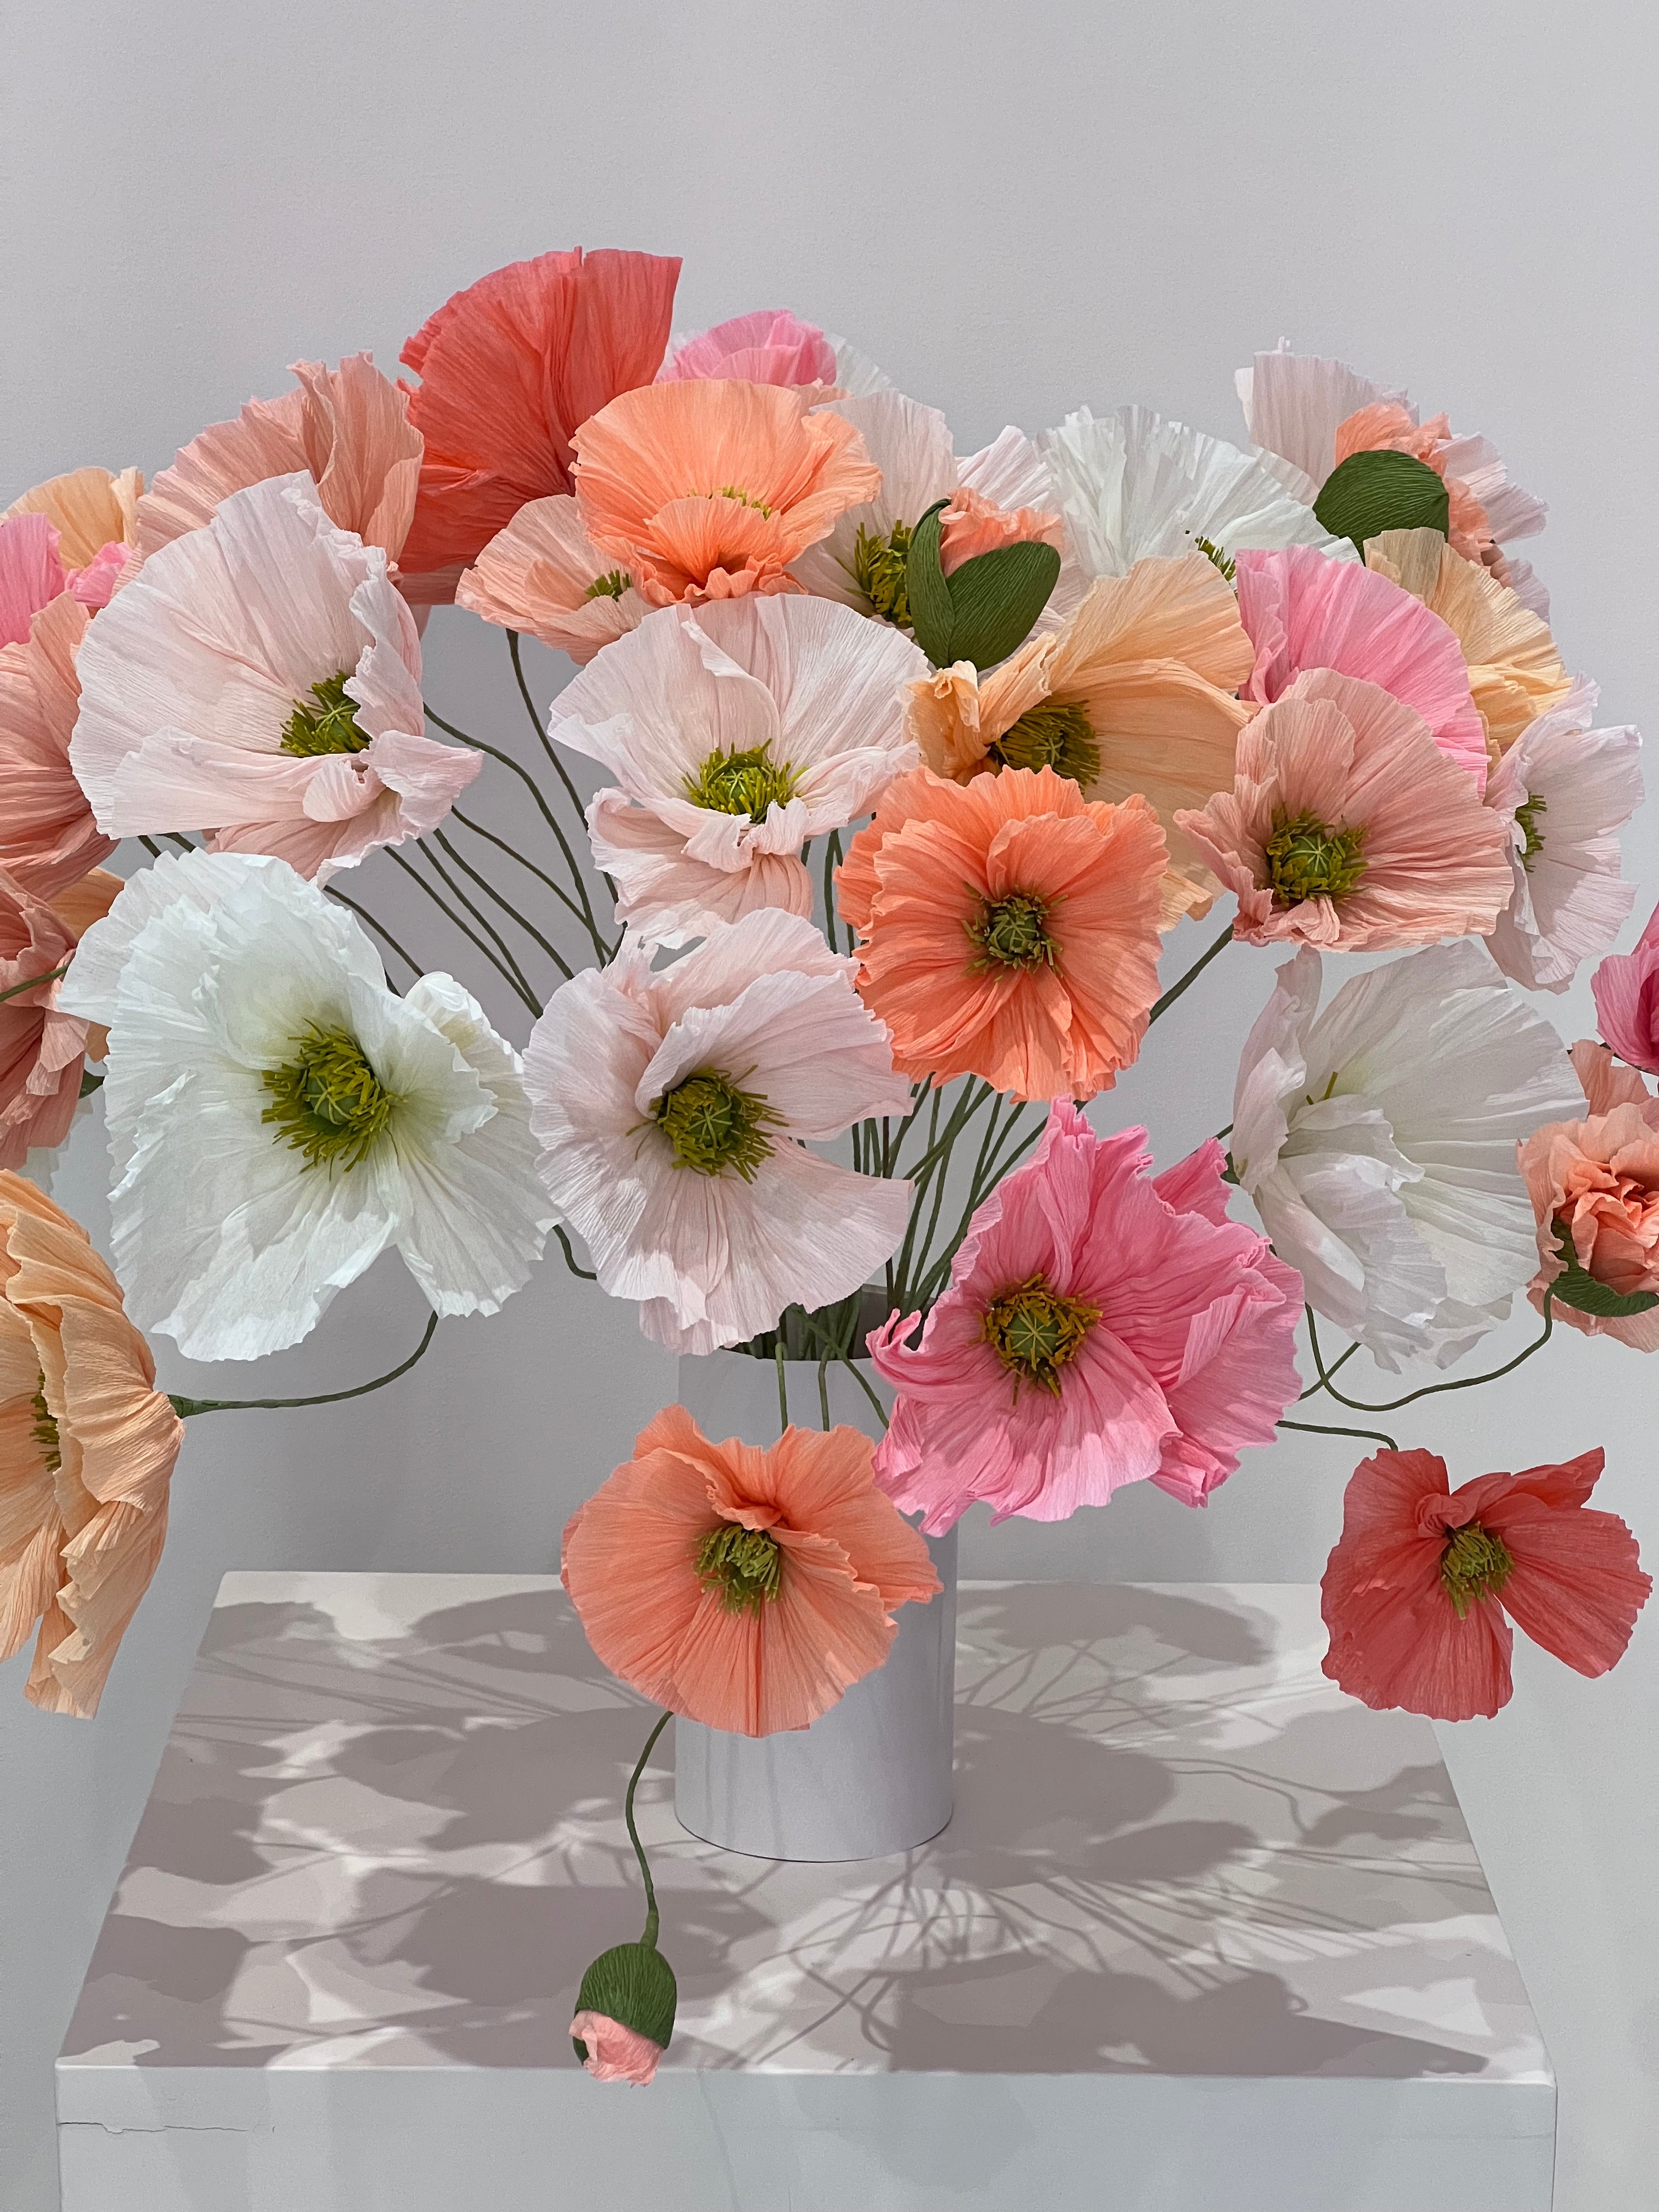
x=1102 y=1327
x=1626 y=987
x=509 y=369
x=48 y=839
x=31 y=573
x=1419 y=1591
x=771 y=346
x=615 y=2052
x=1304 y=610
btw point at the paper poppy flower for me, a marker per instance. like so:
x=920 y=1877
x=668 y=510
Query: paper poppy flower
x=1566 y=789
x=1594 y=1183
x=260 y=678
x=1424 y=1580
x=1516 y=674
x=1349 y=829
x=1102 y=1327
x=734 y=735
x=31 y=575
x=997 y=497
x=95 y=515
x=1303 y=611
x=543 y=575
x=770 y=346
x=1134 y=694
x=1376 y=1140
x=614 y=2052
x=42 y=1047
x=675 y=1109
x=347 y=429
x=1470 y=468
x=509 y=369
x=48 y=837
x=1008 y=928
x=746 y=1589
x=86 y=1450
x=709 y=490
x=1626 y=988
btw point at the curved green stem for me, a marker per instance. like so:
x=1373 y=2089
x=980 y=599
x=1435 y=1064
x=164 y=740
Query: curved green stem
x=831 y=858
x=1324 y=1382
x=549 y=748
x=783 y=1387
x=34 y=982
x=184 y=1407
x=489 y=891
x=587 y=1274
x=1323 y=1429
x=1429 y=1389
x=514 y=853
x=515 y=982
x=649 y=1938
x=1161 y=1005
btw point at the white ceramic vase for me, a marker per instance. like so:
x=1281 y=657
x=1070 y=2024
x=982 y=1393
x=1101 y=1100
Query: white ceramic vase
x=873 y=1774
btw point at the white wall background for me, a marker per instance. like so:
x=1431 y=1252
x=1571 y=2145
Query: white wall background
x=1015 y=209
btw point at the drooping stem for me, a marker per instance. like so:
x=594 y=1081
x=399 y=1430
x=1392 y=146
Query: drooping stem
x=1429 y=1389
x=587 y=1274
x=1323 y=1429
x=34 y=982
x=1324 y=1383
x=649 y=1938
x=514 y=853
x=489 y=891
x=1163 y=1005
x=184 y=1407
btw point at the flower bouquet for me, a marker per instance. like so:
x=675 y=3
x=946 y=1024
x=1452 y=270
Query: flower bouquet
x=908 y=763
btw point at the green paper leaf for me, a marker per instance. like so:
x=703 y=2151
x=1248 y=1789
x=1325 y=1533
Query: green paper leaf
x=1369 y=493
x=1576 y=1286
x=997 y=597
x=89 y=1083
x=634 y=1985
x=933 y=613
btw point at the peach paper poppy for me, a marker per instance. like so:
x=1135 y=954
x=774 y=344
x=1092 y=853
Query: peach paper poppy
x=41 y=1048
x=544 y=576
x=746 y=1589
x=48 y=838
x=94 y=515
x=1419 y=1591
x=1348 y=828
x=508 y=369
x=1595 y=1189
x=1009 y=929
x=709 y=490
x=347 y=429
x=1135 y=693
x=1469 y=468
x=86 y=1450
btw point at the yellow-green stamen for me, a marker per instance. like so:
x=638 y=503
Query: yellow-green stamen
x=1474 y=1565
x=610 y=586
x=742 y=783
x=1527 y=816
x=330 y=727
x=1056 y=734
x=744 y=1566
x=327 y=1101
x=1213 y=554
x=1035 y=1331
x=739 y=497
x=45 y=1431
x=880 y=569
x=1013 y=933
x=1307 y=860
x=713 y=1125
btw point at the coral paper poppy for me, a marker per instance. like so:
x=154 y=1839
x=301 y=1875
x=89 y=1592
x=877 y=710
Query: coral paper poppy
x=1009 y=928
x=86 y=1449
x=746 y=1589
x=709 y=490
x=1424 y=1580
x=509 y=369
x=1595 y=1189
x=41 y=1047
x=48 y=838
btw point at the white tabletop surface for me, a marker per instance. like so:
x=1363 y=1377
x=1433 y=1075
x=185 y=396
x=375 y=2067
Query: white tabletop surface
x=1199 y=1922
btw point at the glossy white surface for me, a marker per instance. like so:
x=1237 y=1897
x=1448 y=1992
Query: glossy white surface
x=1198 y=1923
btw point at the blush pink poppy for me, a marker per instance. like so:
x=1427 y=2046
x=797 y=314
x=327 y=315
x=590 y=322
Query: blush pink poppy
x=1626 y=988
x=1173 y=1329
x=1420 y=1589
x=616 y=2053
x=31 y=573
x=770 y=346
x=48 y=839
x=41 y=1047
x=1303 y=610
x=1594 y=1187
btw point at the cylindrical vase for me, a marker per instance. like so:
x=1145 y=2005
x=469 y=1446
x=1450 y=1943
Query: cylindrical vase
x=873 y=1774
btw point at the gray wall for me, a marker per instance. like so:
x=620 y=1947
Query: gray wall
x=1015 y=210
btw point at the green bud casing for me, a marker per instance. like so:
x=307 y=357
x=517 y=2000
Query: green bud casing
x=634 y=1985
x=1369 y=493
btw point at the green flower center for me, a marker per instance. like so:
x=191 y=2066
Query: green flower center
x=1055 y=734
x=1307 y=860
x=610 y=586
x=1213 y=554
x=742 y=783
x=1527 y=816
x=1013 y=933
x=739 y=497
x=880 y=569
x=713 y=1125
x=330 y=727
x=45 y=1431
x=327 y=1101
x=1035 y=1331
x=744 y=1566
x=1474 y=1565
